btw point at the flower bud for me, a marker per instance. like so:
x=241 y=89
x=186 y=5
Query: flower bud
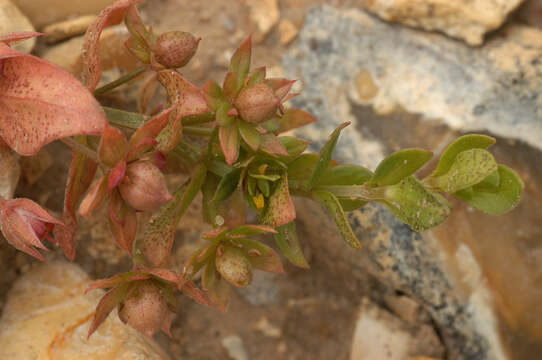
x=234 y=266
x=145 y=309
x=144 y=187
x=175 y=48
x=257 y=103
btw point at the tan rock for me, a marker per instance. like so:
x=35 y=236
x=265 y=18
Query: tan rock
x=468 y=20
x=9 y=172
x=380 y=335
x=114 y=54
x=287 y=31
x=47 y=317
x=69 y=28
x=45 y=12
x=12 y=20
x=264 y=14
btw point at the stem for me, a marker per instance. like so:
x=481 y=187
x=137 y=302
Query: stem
x=123 y=79
x=197 y=130
x=198 y=119
x=77 y=146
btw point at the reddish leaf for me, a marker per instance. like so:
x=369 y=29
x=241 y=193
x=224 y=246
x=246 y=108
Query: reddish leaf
x=116 y=175
x=80 y=176
x=108 y=302
x=181 y=91
x=146 y=92
x=122 y=222
x=218 y=289
x=111 y=15
x=117 y=280
x=280 y=209
x=171 y=134
x=280 y=86
x=113 y=145
x=166 y=275
x=41 y=102
x=139 y=143
x=251 y=230
x=272 y=145
x=294 y=118
x=240 y=61
x=20 y=35
x=198 y=260
x=216 y=234
x=94 y=197
x=229 y=142
x=190 y=289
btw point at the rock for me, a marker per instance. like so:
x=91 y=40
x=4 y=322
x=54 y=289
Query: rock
x=13 y=20
x=407 y=309
x=380 y=335
x=264 y=14
x=268 y=329
x=457 y=270
x=10 y=171
x=47 y=316
x=287 y=31
x=263 y=290
x=463 y=19
x=68 y=28
x=114 y=54
x=45 y=12
x=234 y=345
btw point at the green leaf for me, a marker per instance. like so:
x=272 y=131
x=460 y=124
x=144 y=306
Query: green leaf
x=227 y=185
x=208 y=190
x=334 y=207
x=294 y=147
x=466 y=142
x=240 y=61
x=250 y=135
x=495 y=199
x=107 y=303
x=399 y=165
x=288 y=243
x=222 y=117
x=217 y=288
x=325 y=156
x=214 y=97
x=261 y=256
x=198 y=260
x=126 y=119
x=157 y=240
x=256 y=76
x=270 y=177
x=280 y=210
x=231 y=86
x=346 y=175
x=264 y=187
x=302 y=167
x=469 y=168
x=415 y=205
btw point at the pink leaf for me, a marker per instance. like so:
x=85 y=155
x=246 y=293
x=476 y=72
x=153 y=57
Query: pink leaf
x=108 y=302
x=116 y=175
x=41 y=102
x=80 y=176
x=113 y=146
x=294 y=118
x=20 y=35
x=111 y=15
x=229 y=142
x=190 y=289
x=180 y=91
x=271 y=144
x=94 y=198
x=122 y=222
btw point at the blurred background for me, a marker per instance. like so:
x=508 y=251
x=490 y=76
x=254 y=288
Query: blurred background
x=406 y=74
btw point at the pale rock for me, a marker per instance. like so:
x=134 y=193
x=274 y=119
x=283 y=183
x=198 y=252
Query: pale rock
x=468 y=20
x=47 y=316
x=115 y=56
x=235 y=348
x=13 y=20
x=68 y=28
x=287 y=31
x=264 y=14
x=407 y=309
x=380 y=335
x=10 y=171
x=265 y=327
x=45 y=12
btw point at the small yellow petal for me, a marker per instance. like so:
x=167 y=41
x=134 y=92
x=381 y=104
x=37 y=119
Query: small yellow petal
x=258 y=201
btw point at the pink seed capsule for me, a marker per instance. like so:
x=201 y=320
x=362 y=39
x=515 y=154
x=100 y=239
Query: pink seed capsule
x=175 y=48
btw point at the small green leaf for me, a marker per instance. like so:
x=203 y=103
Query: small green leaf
x=213 y=95
x=264 y=187
x=270 y=177
x=126 y=119
x=107 y=303
x=227 y=185
x=415 y=205
x=261 y=256
x=294 y=147
x=495 y=199
x=250 y=135
x=217 y=288
x=222 y=117
x=256 y=76
x=466 y=142
x=288 y=243
x=231 y=86
x=325 y=156
x=399 y=165
x=198 y=260
x=229 y=142
x=334 y=207
x=251 y=186
x=302 y=167
x=240 y=61
x=469 y=168
x=280 y=210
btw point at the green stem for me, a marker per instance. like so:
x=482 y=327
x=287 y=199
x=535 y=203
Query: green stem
x=123 y=79
x=197 y=131
x=125 y=119
x=77 y=146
